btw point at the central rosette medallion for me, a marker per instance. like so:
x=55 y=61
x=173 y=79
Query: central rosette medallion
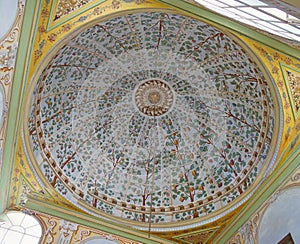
x=154 y=97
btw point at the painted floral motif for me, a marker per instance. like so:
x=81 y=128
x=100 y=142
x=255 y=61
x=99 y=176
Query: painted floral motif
x=92 y=142
x=294 y=81
x=272 y=59
x=198 y=237
x=66 y=7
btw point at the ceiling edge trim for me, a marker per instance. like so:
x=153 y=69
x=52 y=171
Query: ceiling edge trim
x=17 y=93
x=92 y=222
x=232 y=25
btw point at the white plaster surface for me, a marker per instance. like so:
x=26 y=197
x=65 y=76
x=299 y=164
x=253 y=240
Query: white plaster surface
x=100 y=241
x=8 y=12
x=282 y=217
x=1 y=105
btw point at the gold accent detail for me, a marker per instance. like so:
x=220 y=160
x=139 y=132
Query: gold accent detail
x=154 y=98
x=66 y=7
x=197 y=237
x=294 y=82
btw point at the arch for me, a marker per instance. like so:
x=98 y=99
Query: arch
x=97 y=240
x=281 y=217
x=20 y=228
x=7 y=18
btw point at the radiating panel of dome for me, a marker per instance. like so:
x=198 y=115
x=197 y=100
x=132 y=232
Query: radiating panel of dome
x=151 y=115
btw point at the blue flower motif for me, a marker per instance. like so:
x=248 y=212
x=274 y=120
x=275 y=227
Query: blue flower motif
x=82 y=18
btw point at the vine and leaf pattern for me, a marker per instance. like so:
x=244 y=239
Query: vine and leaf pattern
x=274 y=60
x=91 y=141
x=47 y=37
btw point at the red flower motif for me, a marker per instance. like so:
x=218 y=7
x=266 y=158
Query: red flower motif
x=280 y=83
x=97 y=11
x=275 y=70
x=37 y=54
x=116 y=4
x=66 y=27
x=52 y=37
x=45 y=13
x=41 y=29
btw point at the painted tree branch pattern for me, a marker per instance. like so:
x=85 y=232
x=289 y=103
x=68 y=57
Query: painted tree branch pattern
x=92 y=142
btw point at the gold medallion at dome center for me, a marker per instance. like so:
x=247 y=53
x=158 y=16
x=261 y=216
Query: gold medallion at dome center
x=154 y=97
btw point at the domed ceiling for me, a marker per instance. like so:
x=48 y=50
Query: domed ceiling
x=151 y=115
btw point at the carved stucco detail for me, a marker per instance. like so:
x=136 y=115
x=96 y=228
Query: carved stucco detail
x=293 y=180
x=49 y=233
x=247 y=234
x=59 y=231
x=67 y=230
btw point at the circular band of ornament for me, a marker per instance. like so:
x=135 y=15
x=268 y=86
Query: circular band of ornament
x=148 y=126
x=154 y=97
